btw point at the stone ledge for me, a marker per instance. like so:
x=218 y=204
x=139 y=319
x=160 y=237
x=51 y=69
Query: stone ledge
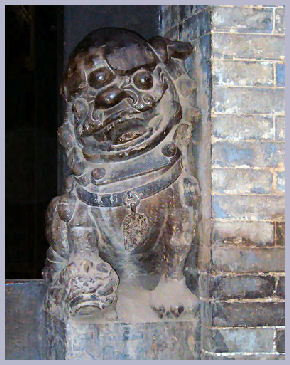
x=122 y=341
x=32 y=336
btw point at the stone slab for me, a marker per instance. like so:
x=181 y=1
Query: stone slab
x=85 y=340
x=23 y=320
x=32 y=335
x=123 y=341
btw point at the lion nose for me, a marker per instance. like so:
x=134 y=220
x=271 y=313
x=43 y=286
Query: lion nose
x=109 y=98
x=113 y=96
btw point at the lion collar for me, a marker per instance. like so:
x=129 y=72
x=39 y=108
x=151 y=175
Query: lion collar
x=145 y=176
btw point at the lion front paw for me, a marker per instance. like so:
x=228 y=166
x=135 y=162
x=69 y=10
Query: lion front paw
x=172 y=312
x=171 y=299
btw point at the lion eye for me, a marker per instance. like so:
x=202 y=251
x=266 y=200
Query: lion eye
x=143 y=80
x=100 y=78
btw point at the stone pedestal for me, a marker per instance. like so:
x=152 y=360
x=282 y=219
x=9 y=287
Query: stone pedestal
x=84 y=339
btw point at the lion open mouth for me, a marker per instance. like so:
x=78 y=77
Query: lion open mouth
x=126 y=131
x=122 y=129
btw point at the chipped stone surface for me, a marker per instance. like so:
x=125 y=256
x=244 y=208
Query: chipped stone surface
x=126 y=222
x=121 y=234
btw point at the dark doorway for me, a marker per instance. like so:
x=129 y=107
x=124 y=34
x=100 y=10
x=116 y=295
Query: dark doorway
x=31 y=119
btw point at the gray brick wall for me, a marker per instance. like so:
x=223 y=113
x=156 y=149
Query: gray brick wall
x=248 y=179
x=239 y=66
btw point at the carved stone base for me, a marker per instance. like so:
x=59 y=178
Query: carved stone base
x=84 y=339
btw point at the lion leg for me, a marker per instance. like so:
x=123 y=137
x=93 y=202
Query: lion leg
x=58 y=252
x=171 y=297
x=84 y=282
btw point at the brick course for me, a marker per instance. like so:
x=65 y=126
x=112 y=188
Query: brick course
x=248 y=314
x=232 y=127
x=248 y=46
x=242 y=286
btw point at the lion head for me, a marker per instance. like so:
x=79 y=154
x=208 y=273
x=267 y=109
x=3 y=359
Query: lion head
x=124 y=94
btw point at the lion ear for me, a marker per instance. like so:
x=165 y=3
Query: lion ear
x=166 y=49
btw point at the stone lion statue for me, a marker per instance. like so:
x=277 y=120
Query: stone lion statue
x=120 y=234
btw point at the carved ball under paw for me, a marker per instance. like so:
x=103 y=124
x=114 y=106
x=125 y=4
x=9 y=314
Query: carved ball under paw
x=89 y=285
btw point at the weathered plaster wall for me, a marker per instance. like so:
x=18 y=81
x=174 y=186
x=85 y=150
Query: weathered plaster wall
x=240 y=72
